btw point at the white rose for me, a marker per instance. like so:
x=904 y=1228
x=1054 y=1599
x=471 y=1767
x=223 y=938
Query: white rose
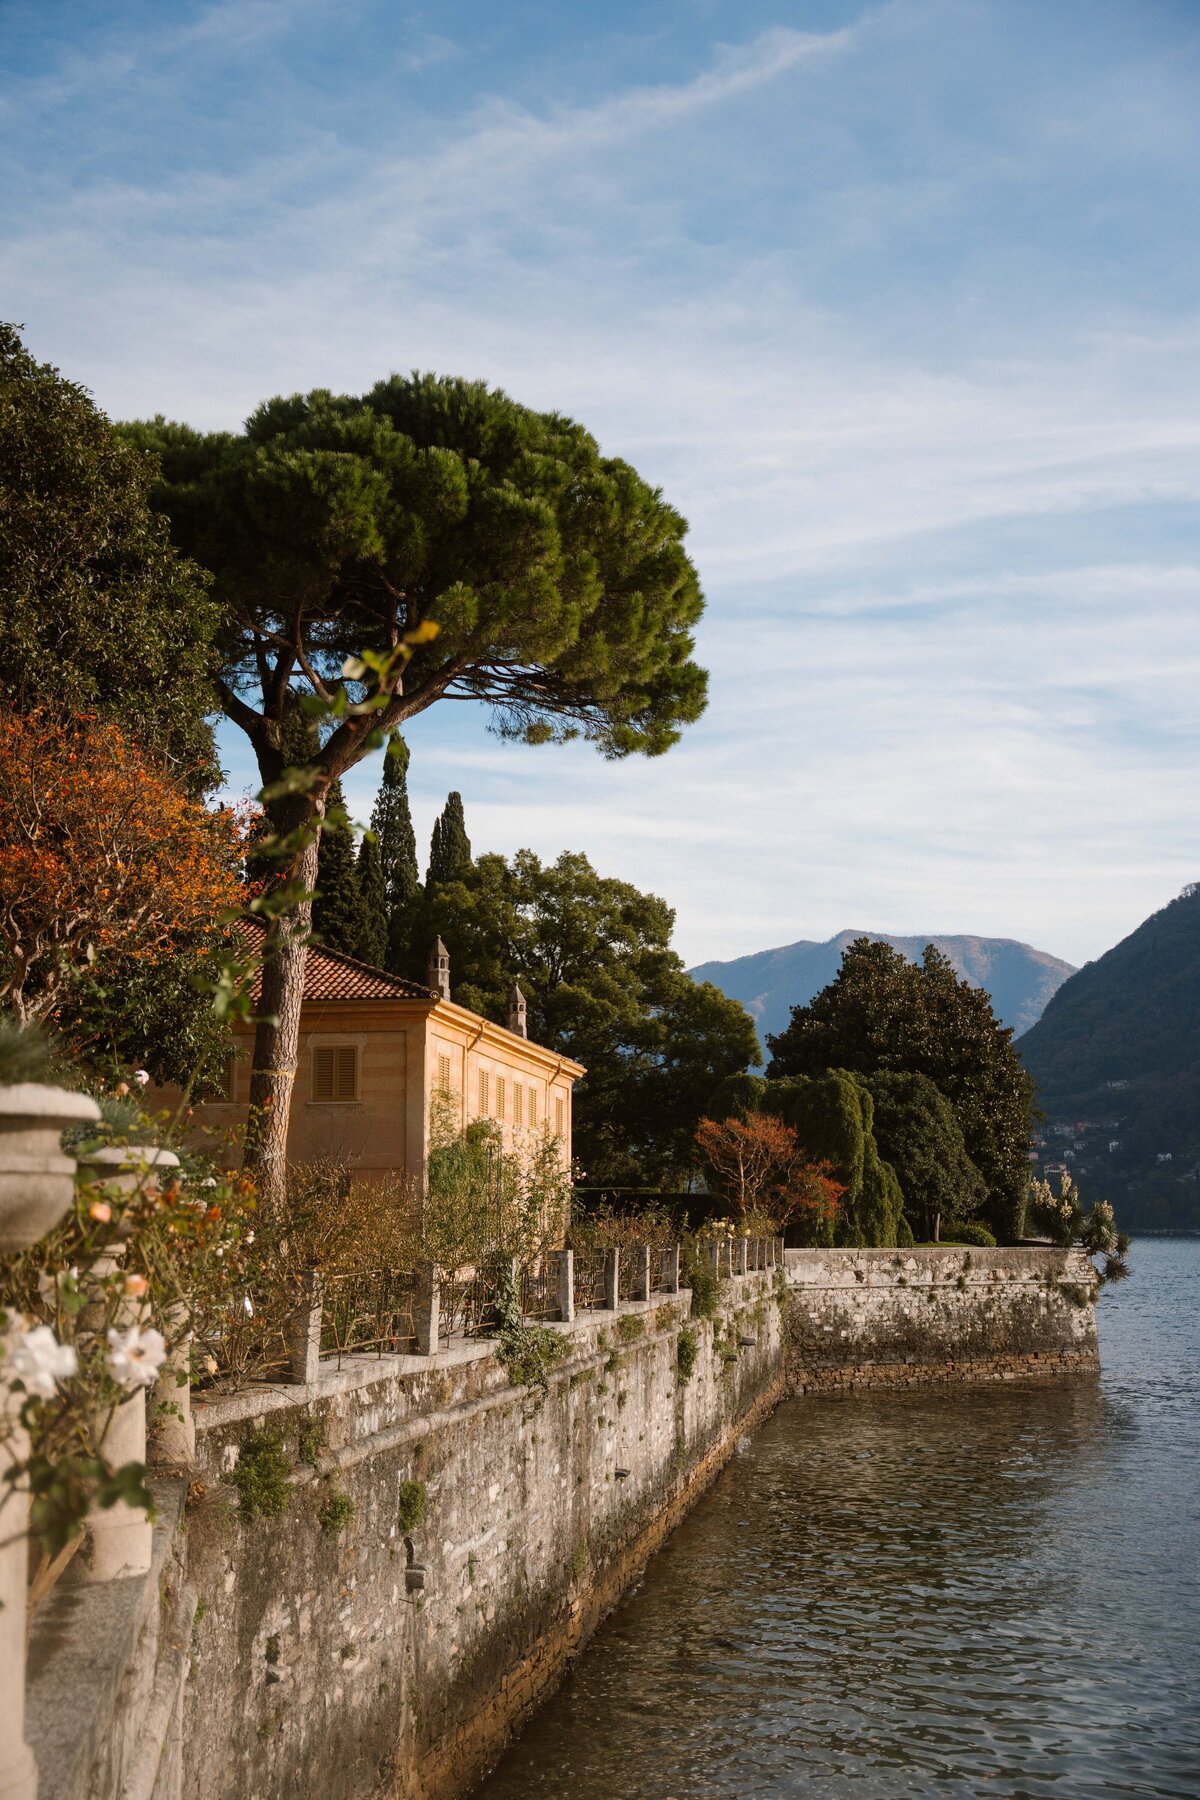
x=39 y=1360
x=135 y=1356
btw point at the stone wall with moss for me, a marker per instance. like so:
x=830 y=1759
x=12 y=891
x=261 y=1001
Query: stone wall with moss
x=394 y=1565
x=875 y=1318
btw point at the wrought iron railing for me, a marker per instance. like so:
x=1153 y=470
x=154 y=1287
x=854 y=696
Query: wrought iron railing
x=368 y=1314
x=241 y=1338
x=589 y=1279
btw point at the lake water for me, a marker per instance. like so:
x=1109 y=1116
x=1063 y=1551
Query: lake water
x=994 y=1590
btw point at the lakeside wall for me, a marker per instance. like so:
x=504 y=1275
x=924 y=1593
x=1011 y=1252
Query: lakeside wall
x=373 y=1656
x=944 y=1313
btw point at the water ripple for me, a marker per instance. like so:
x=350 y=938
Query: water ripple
x=990 y=1591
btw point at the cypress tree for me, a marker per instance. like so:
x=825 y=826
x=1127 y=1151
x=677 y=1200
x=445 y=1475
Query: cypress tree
x=391 y=821
x=372 y=890
x=338 y=908
x=450 y=847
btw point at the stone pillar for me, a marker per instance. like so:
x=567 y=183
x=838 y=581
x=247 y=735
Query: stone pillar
x=303 y=1334
x=18 y=1770
x=427 y=1309
x=641 y=1272
x=612 y=1278
x=741 y=1262
x=714 y=1257
x=671 y=1269
x=566 y=1284
x=173 y=1430
x=36 y=1185
x=120 y=1537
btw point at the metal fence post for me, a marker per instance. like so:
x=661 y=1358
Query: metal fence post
x=670 y=1258
x=612 y=1278
x=566 y=1284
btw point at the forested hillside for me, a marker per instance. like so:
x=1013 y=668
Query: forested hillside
x=1116 y=1058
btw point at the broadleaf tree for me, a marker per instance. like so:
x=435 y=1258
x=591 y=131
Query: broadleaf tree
x=521 y=568
x=99 y=613
x=884 y=1015
x=593 y=957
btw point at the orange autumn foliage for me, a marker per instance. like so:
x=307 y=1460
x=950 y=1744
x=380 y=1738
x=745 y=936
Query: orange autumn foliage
x=100 y=852
x=759 y=1166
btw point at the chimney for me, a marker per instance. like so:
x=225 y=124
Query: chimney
x=437 y=970
x=516 y=1011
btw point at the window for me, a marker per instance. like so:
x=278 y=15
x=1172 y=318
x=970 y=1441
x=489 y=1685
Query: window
x=560 y=1116
x=443 y=1074
x=335 y=1072
x=484 y=1096
x=224 y=1077
x=501 y=1096
x=518 y=1107
x=533 y=1106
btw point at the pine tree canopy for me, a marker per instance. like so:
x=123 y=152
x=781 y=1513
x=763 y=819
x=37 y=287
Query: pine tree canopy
x=449 y=847
x=98 y=609
x=333 y=525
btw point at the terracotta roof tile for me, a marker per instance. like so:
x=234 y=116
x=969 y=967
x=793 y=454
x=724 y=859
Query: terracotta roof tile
x=328 y=975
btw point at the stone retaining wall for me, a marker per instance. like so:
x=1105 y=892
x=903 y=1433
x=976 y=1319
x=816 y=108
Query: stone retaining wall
x=392 y=1658
x=892 y=1318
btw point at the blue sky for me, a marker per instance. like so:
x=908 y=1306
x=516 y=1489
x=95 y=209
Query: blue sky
x=898 y=303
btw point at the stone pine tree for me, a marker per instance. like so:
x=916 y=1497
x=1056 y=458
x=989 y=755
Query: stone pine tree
x=338 y=915
x=372 y=893
x=391 y=822
x=429 y=540
x=449 y=846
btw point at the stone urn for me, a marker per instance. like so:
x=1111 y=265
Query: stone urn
x=36 y=1176
x=122 y=1167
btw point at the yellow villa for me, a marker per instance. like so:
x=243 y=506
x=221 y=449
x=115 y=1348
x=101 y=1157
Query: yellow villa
x=375 y=1050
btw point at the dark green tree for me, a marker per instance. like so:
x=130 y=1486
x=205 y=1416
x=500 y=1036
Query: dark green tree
x=372 y=895
x=99 y=612
x=593 y=957
x=883 y=1015
x=832 y=1115
x=431 y=539
x=449 y=846
x=917 y=1133
x=339 y=916
x=391 y=822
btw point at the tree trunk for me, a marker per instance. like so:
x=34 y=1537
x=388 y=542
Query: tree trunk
x=277 y=1038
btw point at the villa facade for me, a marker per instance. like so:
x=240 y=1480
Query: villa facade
x=376 y=1051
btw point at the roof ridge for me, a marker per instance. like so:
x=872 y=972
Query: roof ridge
x=413 y=989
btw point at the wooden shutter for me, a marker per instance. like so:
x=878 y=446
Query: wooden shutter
x=533 y=1106
x=483 y=1093
x=560 y=1115
x=501 y=1097
x=443 y=1079
x=335 y=1072
x=518 y=1108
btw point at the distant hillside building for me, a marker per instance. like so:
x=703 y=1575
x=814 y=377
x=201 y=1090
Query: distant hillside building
x=375 y=1050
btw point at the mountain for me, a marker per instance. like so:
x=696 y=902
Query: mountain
x=1019 y=979
x=1116 y=1058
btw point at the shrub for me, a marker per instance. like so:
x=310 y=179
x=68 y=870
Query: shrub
x=630 y=1327
x=411 y=1505
x=686 y=1351
x=706 y=1289
x=335 y=1512
x=263 y=1476
x=967 y=1232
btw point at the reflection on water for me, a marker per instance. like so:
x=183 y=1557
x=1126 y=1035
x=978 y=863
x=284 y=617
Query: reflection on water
x=982 y=1591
